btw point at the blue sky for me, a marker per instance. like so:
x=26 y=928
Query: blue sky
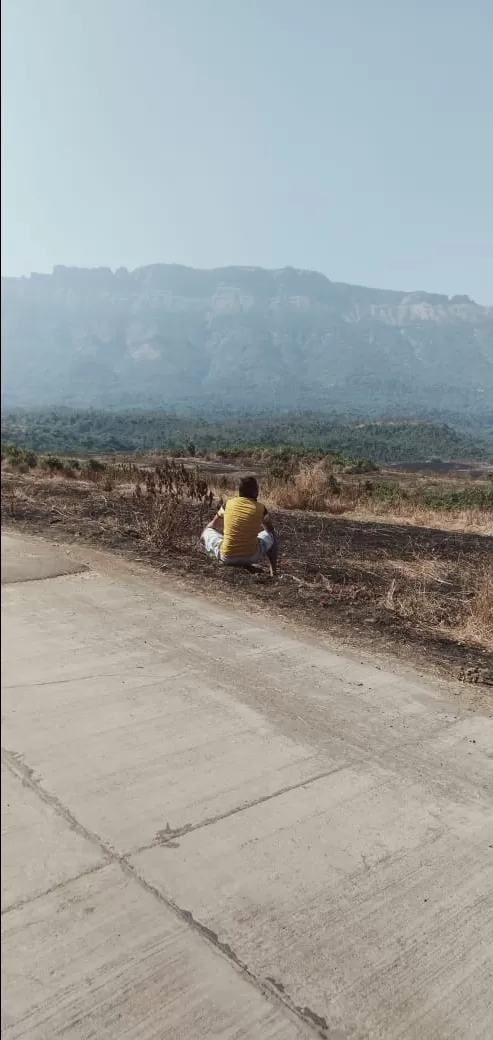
x=349 y=137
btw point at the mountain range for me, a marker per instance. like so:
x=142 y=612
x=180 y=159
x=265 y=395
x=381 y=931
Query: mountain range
x=240 y=338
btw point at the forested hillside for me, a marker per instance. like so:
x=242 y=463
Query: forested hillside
x=64 y=430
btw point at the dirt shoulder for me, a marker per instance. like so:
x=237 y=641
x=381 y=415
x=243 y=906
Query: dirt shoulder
x=417 y=595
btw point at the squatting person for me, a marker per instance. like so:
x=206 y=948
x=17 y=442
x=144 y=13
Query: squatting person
x=242 y=533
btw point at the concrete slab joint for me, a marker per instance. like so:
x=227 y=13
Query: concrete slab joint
x=209 y=830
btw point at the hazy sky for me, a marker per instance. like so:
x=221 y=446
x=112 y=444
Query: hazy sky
x=352 y=137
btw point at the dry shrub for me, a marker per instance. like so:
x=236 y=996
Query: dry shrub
x=159 y=516
x=308 y=489
x=122 y=472
x=226 y=482
x=163 y=497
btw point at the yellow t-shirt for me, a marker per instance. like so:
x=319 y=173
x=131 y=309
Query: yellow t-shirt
x=242 y=524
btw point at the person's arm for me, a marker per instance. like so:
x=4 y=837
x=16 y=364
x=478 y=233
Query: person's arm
x=273 y=552
x=217 y=522
x=268 y=524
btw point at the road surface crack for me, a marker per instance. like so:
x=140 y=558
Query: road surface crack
x=168 y=835
x=17 y=766
x=20 y=903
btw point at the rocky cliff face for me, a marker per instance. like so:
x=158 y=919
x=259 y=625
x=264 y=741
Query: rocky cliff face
x=173 y=335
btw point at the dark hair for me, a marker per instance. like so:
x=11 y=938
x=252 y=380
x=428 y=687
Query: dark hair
x=248 y=488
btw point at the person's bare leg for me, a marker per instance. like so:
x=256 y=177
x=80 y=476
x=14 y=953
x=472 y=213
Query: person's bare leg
x=273 y=556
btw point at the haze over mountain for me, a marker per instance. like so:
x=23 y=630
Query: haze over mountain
x=240 y=337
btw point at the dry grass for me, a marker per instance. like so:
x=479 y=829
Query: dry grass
x=429 y=590
x=320 y=488
x=460 y=604
x=305 y=490
x=312 y=488
x=476 y=624
x=152 y=505
x=474 y=521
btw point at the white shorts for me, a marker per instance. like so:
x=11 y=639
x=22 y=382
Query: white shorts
x=212 y=540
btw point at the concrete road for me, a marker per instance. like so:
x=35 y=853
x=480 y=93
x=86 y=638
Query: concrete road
x=212 y=828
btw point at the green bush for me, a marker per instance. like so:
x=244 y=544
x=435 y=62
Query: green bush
x=19 y=457
x=52 y=463
x=282 y=469
x=362 y=466
x=95 y=466
x=386 y=491
x=472 y=496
